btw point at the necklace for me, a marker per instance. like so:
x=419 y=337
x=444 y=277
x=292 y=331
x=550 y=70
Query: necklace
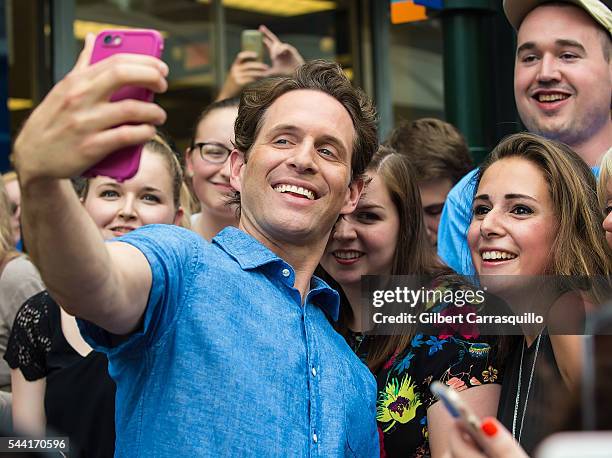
x=359 y=338
x=518 y=389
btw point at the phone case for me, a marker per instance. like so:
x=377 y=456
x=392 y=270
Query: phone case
x=123 y=164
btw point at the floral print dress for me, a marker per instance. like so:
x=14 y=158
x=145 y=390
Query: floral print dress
x=403 y=385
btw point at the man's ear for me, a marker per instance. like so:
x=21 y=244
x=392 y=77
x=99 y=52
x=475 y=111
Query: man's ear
x=353 y=193
x=237 y=163
x=178 y=216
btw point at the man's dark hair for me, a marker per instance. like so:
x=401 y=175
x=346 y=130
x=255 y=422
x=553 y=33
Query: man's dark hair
x=436 y=149
x=317 y=75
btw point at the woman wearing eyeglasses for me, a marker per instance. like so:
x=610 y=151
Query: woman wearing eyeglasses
x=209 y=168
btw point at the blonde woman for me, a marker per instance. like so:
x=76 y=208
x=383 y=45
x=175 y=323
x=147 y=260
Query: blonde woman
x=604 y=192
x=11 y=184
x=19 y=280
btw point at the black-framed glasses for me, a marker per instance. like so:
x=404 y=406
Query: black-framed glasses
x=215 y=153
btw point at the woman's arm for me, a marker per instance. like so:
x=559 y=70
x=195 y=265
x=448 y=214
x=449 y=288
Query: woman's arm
x=73 y=128
x=566 y=316
x=568 y=355
x=28 y=404
x=482 y=400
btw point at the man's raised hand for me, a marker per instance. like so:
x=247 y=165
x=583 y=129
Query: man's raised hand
x=76 y=125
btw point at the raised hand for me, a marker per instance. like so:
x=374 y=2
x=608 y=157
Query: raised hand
x=74 y=127
x=284 y=57
x=245 y=69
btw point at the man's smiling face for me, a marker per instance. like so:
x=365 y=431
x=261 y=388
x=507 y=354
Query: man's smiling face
x=562 y=80
x=297 y=178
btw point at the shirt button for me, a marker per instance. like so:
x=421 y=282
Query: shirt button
x=314 y=372
x=315 y=438
x=286 y=272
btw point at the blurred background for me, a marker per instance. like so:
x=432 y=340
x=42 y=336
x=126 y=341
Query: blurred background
x=450 y=59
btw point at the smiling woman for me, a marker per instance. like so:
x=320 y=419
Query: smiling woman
x=386 y=235
x=536 y=213
x=208 y=167
x=514 y=221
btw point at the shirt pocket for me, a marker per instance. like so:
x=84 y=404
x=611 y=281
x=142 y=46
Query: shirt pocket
x=360 y=415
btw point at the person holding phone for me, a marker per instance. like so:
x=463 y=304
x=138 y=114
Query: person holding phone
x=386 y=235
x=496 y=439
x=222 y=348
x=535 y=213
x=208 y=167
x=493 y=439
x=248 y=66
x=61 y=386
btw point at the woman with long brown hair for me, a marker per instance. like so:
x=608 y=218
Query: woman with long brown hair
x=386 y=235
x=536 y=219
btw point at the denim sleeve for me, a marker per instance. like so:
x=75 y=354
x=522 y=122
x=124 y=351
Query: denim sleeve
x=173 y=254
x=454 y=222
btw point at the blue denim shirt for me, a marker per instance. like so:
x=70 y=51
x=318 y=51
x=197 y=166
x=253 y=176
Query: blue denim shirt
x=228 y=361
x=454 y=223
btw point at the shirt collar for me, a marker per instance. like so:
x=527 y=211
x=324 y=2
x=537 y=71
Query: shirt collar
x=249 y=253
x=325 y=297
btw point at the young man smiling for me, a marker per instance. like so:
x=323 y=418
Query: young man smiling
x=563 y=91
x=224 y=349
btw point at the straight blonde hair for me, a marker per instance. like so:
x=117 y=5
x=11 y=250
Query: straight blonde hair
x=6 y=233
x=605 y=174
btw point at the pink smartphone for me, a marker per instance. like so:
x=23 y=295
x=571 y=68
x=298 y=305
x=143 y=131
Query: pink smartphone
x=123 y=164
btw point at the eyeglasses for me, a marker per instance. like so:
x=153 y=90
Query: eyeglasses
x=214 y=153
